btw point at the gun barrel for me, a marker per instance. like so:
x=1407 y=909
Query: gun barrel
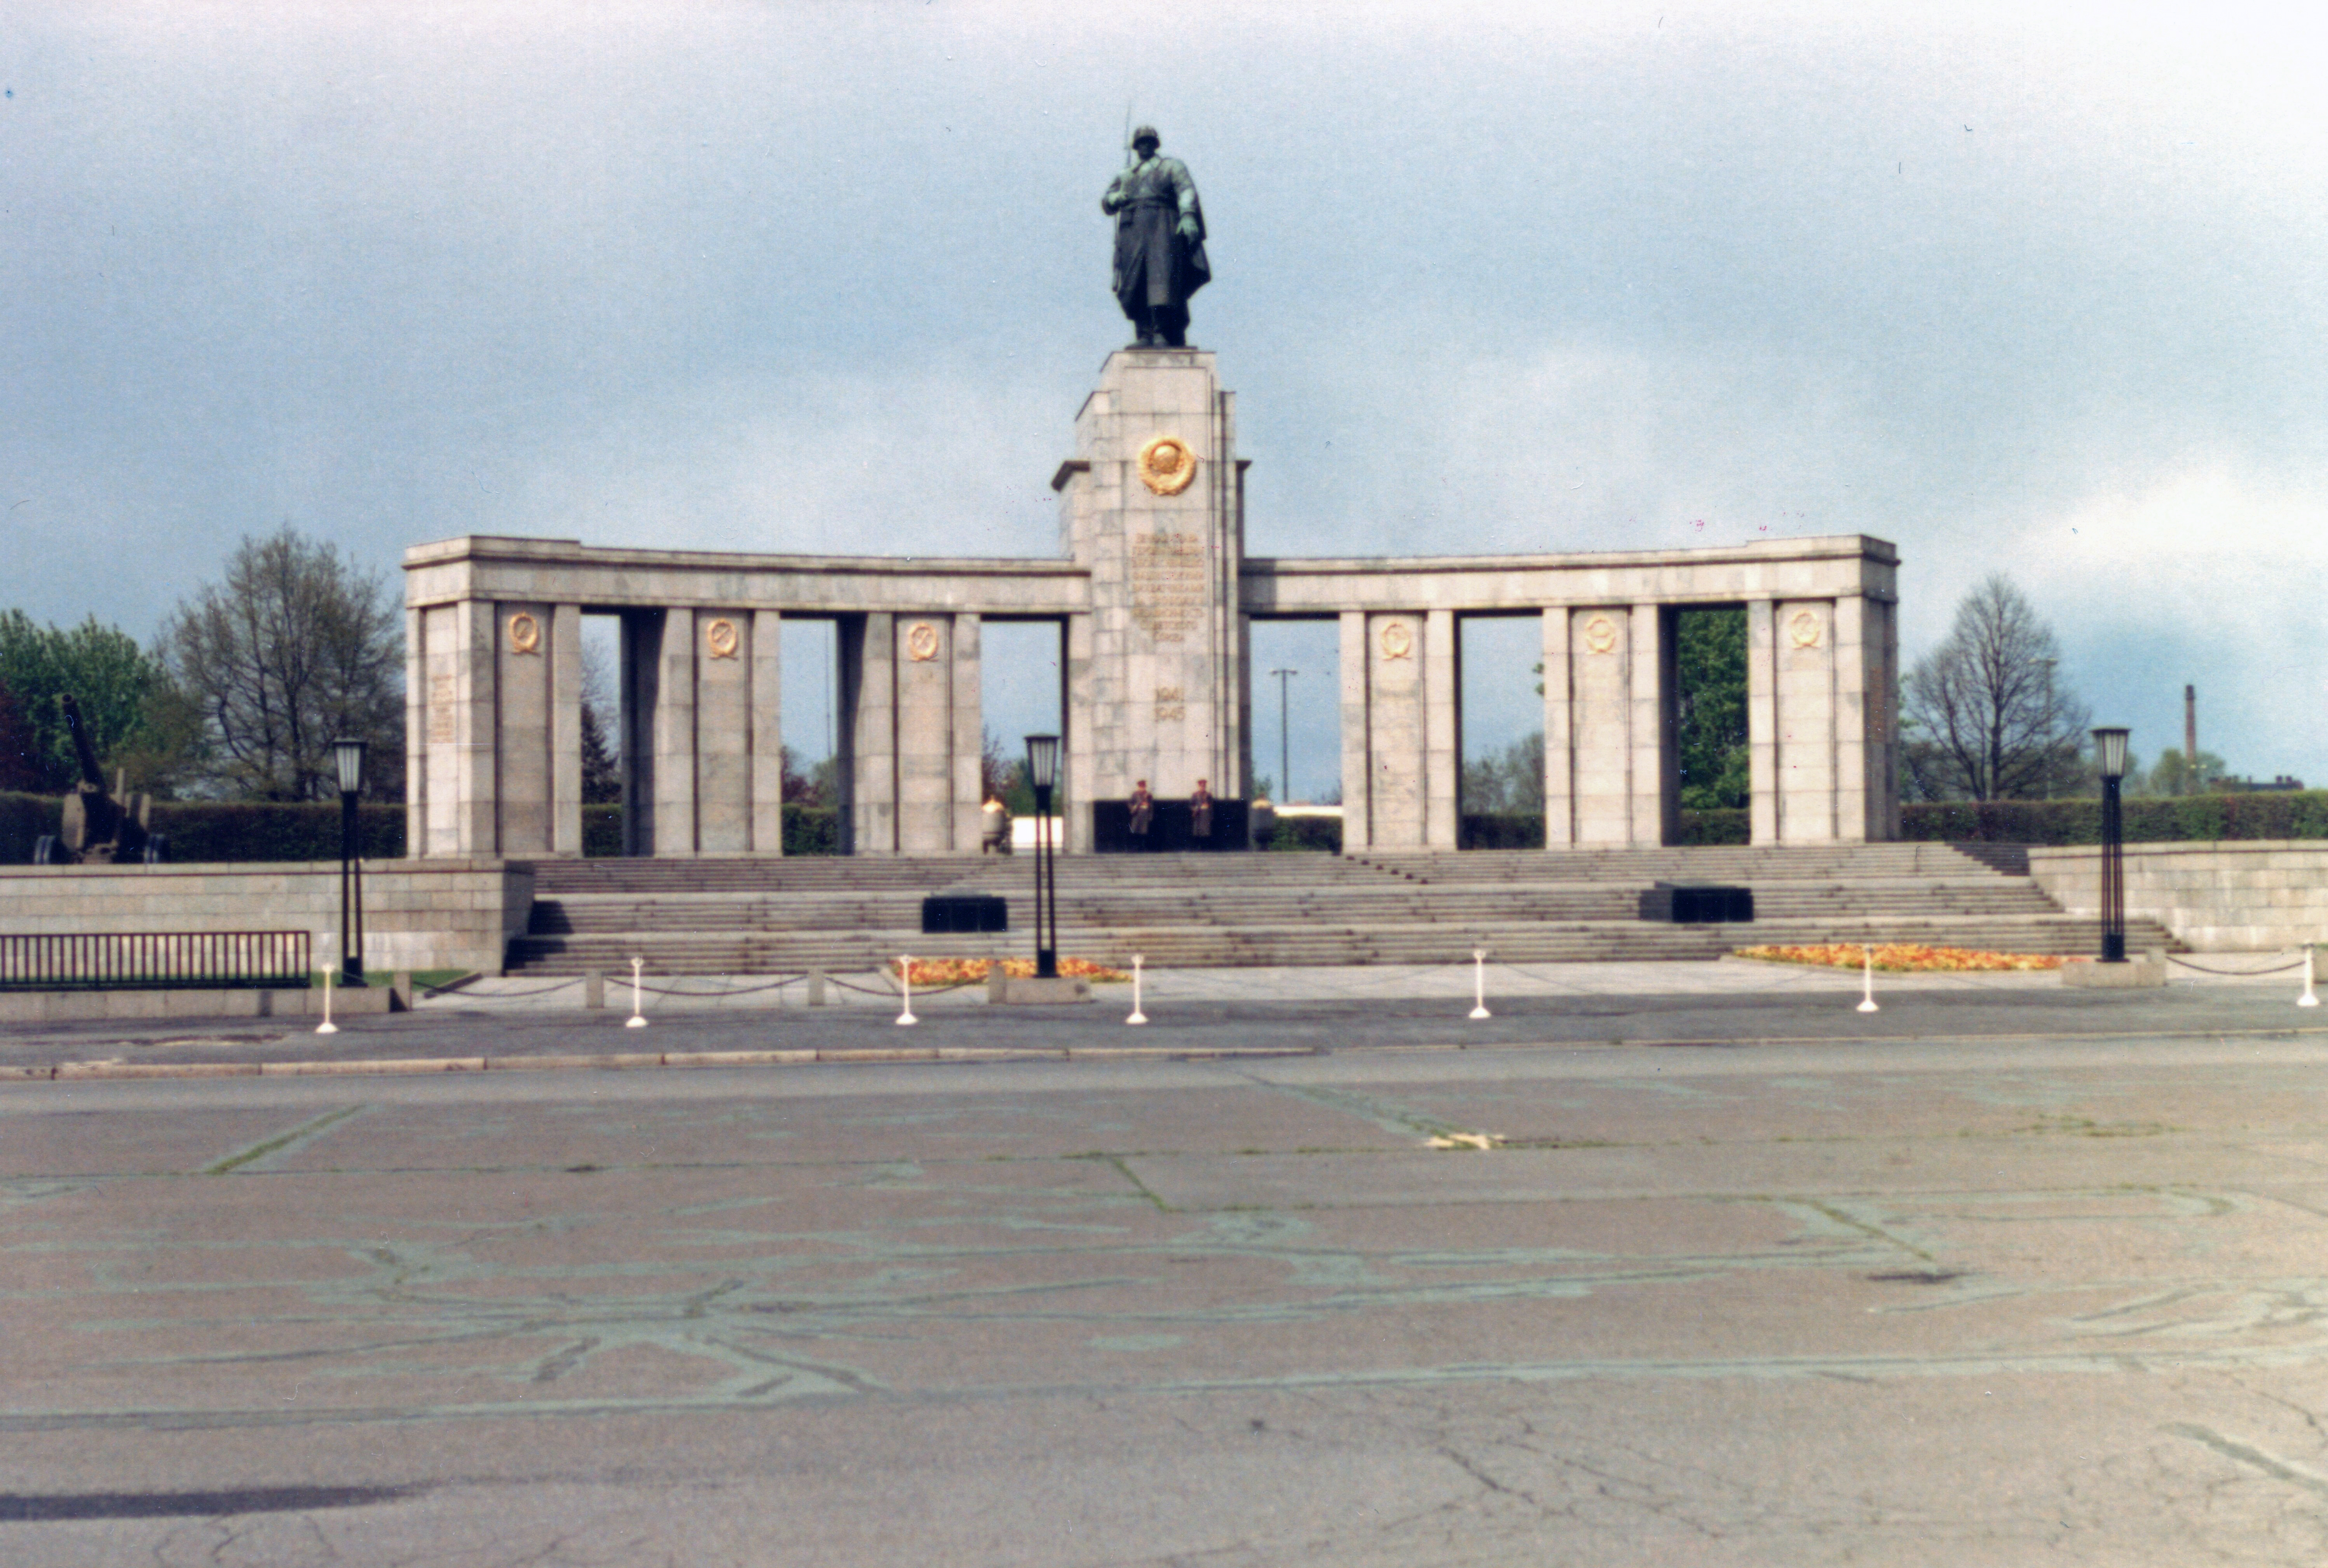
x=91 y=774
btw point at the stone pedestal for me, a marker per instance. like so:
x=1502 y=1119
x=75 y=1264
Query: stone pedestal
x=1151 y=506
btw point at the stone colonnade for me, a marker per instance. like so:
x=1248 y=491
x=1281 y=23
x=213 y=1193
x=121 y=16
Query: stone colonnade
x=1822 y=660
x=1154 y=597
x=493 y=693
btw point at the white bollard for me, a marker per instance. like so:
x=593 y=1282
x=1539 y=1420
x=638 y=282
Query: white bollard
x=2307 y=998
x=327 y=1027
x=1137 y=1016
x=906 y=978
x=1867 y=980
x=637 y=1019
x=1479 y=983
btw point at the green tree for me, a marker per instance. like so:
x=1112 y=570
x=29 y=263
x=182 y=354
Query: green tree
x=2171 y=774
x=1507 y=782
x=294 y=649
x=124 y=697
x=1710 y=653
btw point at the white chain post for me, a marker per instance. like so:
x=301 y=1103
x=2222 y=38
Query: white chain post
x=1479 y=983
x=327 y=1027
x=2307 y=998
x=638 y=1019
x=1867 y=980
x=1137 y=1016
x=906 y=978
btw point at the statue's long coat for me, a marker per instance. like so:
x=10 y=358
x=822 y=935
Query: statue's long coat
x=1153 y=265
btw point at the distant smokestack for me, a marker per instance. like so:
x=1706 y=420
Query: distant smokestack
x=2189 y=740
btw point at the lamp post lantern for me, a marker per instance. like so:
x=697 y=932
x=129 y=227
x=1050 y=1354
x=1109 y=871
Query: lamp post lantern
x=349 y=756
x=2109 y=754
x=1043 y=776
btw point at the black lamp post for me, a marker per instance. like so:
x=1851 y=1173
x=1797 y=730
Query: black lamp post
x=349 y=754
x=2109 y=753
x=1043 y=774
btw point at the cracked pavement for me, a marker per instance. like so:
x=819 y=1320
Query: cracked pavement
x=1947 y=1299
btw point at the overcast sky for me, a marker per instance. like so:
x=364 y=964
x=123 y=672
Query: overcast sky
x=2042 y=296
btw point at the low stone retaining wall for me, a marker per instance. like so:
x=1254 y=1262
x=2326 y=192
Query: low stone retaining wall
x=49 y=1007
x=448 y=913
x=2232 y=896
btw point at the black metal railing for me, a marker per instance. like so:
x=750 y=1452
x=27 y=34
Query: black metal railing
x=155 y=960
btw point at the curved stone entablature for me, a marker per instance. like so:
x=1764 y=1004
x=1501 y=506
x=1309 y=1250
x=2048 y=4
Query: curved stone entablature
x=1155 y=598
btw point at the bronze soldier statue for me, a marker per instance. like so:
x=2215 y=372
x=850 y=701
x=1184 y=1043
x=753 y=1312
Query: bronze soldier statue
x=1160 y=242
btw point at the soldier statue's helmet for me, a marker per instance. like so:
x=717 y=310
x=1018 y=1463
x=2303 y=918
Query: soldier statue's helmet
x=1145 y=134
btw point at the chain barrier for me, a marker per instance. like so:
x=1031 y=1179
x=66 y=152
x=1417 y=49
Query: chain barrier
x=2294 y=963
x=731 y=991
x=433 y=993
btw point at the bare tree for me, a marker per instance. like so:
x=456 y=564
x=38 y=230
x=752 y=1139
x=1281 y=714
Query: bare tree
x=1984 y=716
x=295 y=650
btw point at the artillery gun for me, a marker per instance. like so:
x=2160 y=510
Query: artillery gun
x=103 y=826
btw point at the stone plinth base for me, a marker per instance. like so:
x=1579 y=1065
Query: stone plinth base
x=59 y=1006
x=2147 y=970
x=1018 y=992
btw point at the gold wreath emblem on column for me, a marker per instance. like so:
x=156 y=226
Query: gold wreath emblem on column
x=722 y=639
x=1803 y=629
x=1397 y=641
x=1601 y=634
x=524 y=633
x=921 y=641
x=1167 y=465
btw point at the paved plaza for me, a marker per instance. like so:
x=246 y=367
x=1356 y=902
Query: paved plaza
x=1716 y=1270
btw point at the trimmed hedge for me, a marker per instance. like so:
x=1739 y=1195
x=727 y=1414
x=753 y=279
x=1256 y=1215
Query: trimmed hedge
x=1721 y=825
x=222 y=831
x=1502 y=831
x=2184 y=819
x=1310 y=833
x=808 y=830
x=274 y=830
x=602 y=831
x=811 y=830
x=24 y=821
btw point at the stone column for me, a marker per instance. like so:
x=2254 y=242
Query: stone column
x=1858 y=787
x=1656 y=770
x=767 y=734
x=1805 y=711
x=673 y=736
x=868 y=733
x=415 y=733
x=522 y=754
x=1082 y=720
x=1600 y=682
x=1357 y=772
x=458 y=779
x=1398 y=734
x=923 y=662
x=722 y=650
x=969 y=736
x=1442 y=740
x=566 y=731
x=1762 y=722
x=1559 y=743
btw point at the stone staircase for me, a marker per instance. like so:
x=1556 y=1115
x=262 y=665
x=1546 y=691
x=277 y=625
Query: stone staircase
x=757 y=916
